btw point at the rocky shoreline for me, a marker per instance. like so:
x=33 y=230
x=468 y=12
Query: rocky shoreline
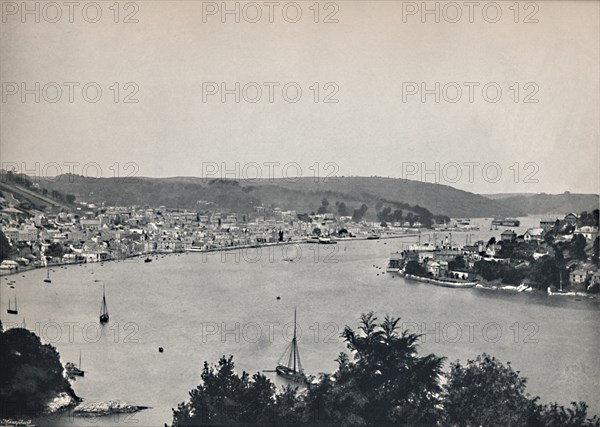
x=110 y=407
x=63 y=402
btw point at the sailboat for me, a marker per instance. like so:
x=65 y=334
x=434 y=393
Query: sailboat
x=289 y=365
x=47 y=279
x=103 y=308
x=148 y=259
x=77 y=369
x=9 y=310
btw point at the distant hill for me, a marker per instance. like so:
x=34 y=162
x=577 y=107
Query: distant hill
x=304 y=195
x=501 y=196
x=548 y=203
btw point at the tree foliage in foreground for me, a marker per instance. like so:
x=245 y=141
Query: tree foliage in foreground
x=30 y=373
x=486 y=392
x=383 y=381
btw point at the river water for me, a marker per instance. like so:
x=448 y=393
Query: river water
x=200 y=307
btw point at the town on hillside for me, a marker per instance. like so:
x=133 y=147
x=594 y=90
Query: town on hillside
x=31 y=237
x=561 y=255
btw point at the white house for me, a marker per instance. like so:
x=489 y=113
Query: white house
x=533 y=234
x=587 y=231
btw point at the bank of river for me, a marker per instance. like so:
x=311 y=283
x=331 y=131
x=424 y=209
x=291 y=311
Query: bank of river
x=201 y=306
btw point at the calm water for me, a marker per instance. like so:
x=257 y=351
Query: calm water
x=199 y=308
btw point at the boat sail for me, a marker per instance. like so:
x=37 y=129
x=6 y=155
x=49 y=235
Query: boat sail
x=103 y=308
x=289 y=365
x=47 y=279
x=10 y=310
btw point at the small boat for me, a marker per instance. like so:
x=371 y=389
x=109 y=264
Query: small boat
x=10 y=310
x=75 y=370
x=148 y=259
x=312 y=239
x=103 y=308
x=326 y=240
x=289 y=366
x=373 y=236
x=47 y=279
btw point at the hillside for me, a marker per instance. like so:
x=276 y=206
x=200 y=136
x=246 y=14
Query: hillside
x=305 y=195
x=541 y=204
x=24 y=195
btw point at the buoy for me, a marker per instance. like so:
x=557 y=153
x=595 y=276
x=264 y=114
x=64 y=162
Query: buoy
x=160 y=349
x=278 y=298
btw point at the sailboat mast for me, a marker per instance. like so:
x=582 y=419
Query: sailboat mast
x=103 y=309
x=560 y=280
x=80 y=360
x=294 y=343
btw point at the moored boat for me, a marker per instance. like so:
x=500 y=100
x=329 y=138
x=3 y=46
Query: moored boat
x=75 y=370
x=289 y=365
x=325 y=240
x=103 y=308
x=447 y=283
x=10 y=310
x=47 y=279
x=506 y=222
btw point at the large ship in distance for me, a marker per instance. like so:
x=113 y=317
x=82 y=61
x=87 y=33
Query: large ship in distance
x=507 y=222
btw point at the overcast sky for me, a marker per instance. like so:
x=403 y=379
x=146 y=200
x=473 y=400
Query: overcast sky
x=369 y=57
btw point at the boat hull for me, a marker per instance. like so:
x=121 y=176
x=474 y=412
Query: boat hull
x=445 y=284
x=104 y=318
x=289 y=374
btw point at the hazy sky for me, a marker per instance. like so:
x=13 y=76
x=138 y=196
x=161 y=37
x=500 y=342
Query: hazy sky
x=370 y=57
